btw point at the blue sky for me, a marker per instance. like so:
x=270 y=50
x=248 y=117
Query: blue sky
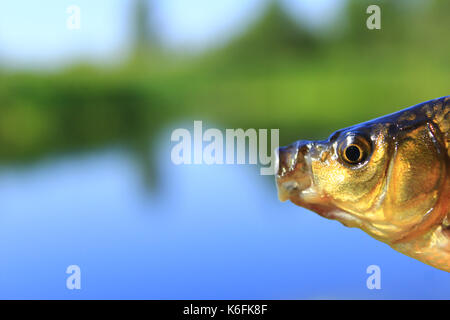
x=34 y=33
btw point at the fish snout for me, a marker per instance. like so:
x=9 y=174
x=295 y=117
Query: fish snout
x=293 y=174
x=291 y=156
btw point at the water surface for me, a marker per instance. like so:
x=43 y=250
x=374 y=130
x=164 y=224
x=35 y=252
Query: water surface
x=205 y=232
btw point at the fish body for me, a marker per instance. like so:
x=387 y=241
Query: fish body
x=388 y=177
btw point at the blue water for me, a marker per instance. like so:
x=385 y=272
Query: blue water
x=206 y=232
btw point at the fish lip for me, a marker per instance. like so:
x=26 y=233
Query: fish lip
x=304 y=194
x=286 y=159
x=297 y=185
x=289 y=189
x=293 y=182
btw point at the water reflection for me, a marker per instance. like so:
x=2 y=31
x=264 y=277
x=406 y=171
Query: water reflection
x=209 y=232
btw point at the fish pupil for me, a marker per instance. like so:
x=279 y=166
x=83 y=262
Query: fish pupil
x=353 y=153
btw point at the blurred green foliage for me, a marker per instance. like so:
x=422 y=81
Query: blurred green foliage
x=277 y=74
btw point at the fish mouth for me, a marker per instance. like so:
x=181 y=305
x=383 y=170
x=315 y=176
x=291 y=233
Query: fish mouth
x=289 y=189
x=303 y=193
x=294 y=178
x=295 y=181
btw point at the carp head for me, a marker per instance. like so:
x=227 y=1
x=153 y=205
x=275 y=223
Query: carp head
x=385 y=176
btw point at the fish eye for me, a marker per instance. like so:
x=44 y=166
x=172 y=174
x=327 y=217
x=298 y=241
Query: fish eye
x=354 y=149
x=353 y=153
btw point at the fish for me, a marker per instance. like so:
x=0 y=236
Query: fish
x=388 y=176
